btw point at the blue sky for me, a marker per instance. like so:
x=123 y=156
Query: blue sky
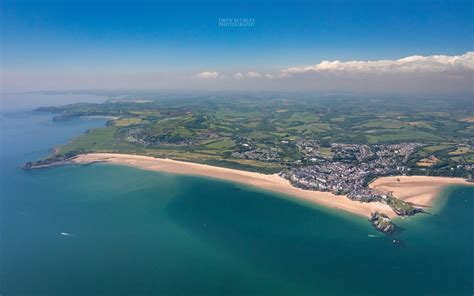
x=184 y=36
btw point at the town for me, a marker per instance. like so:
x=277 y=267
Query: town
x=351 y=168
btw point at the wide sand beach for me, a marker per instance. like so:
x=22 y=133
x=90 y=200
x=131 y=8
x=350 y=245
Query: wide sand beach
x=419 y=190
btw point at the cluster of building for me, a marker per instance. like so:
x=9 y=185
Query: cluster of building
x=351 y=152
x=311 y=149
x=268 y=154
x=351 y=168
x=140 y=136
x=136 y=136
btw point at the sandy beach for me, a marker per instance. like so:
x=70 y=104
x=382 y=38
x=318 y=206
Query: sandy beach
x=273 y=183
x=419 y=190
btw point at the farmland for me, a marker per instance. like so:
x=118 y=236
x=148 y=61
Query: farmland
x=262 y=133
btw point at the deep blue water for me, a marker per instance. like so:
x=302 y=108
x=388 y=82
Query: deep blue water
x=134 y=232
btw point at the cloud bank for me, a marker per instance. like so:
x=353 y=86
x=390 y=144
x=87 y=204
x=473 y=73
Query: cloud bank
x=411 y=64
x=427 y=74
x=412 y=74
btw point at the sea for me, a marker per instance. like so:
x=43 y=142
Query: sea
x=113 y=230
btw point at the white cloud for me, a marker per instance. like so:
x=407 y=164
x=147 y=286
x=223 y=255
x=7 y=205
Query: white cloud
x=238 y=75
x=253 y=74
x=415 y=74
x=411 y=64
x=250 y=75
x=207 y=75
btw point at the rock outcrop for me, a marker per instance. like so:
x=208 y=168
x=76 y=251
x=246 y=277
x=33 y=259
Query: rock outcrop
x=382 y=222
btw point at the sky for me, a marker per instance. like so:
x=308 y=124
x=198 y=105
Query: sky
x=413 y=46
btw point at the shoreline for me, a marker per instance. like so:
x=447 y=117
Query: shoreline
x=420 y=190
x=273 y=183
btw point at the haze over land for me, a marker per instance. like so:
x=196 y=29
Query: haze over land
x=412 y=74
x=416 y=47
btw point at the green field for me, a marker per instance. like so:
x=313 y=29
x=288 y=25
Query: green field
x=213 y=130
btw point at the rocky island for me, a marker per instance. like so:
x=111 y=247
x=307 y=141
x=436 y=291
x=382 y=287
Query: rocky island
x=382 y=223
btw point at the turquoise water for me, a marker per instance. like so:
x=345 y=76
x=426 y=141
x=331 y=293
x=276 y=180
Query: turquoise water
x=133 y=232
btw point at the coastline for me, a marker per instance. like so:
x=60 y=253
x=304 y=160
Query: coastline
x=272 y=183
x=421 y=191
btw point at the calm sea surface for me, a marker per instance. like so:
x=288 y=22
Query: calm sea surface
x=112 y=230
